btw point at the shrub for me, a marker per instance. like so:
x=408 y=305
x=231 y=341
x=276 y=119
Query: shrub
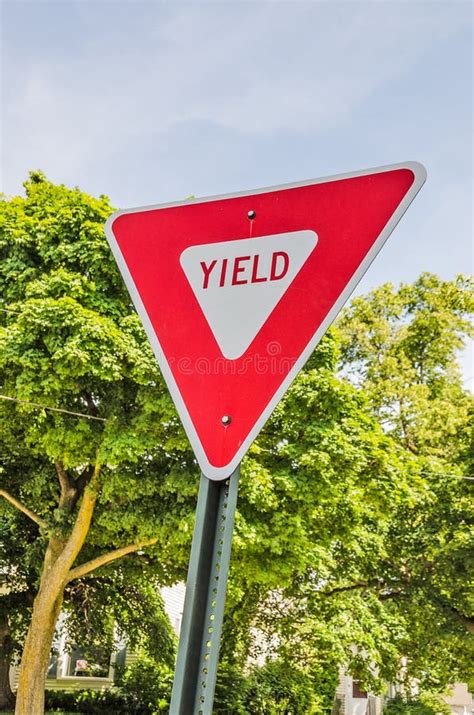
x=279 y=688
x=86 y=701
x=146 y=686
x=425 y=704
x=230 y=691
x=100 y=701
x=59 y=700
x=145 y=689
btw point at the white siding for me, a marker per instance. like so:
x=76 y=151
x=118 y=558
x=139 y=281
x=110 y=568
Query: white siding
x=460 y=700
x=173 y=596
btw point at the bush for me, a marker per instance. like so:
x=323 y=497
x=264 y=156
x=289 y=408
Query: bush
x=86 y=701
x=59 y=700
x=279 y=688
x=425 y=704
x=324 y=679
x=100 y=701
x=146 y=686
x=230 y=691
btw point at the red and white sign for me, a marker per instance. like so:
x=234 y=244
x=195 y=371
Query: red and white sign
x=233 y=306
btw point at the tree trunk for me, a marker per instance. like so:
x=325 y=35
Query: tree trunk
x=6 y=648
x=58 y=560
x=37 y=648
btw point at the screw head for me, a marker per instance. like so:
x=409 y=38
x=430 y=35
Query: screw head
x=251 y=214
x=226 y=420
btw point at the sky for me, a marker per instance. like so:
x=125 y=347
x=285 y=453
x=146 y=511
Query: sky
x=150 y=102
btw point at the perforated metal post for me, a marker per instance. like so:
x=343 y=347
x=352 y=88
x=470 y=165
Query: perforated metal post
x=198 y=652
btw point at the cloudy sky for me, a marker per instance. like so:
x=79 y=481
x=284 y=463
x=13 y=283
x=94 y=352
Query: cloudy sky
x=152 y=101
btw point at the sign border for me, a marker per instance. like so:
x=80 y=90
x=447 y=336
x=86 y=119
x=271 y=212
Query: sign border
x=219 y=473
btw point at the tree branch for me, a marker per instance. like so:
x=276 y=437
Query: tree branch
x=84 y=517
x=467 y=621
x=83 y=479
x=21 y=507
x=60 y=555
x=382 y=595
x=342 y=589
x=72 y=489
x=90 y=403
x=105 y=559
x=68 y=490
x=63 y=476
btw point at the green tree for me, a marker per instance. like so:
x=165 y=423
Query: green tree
x=401 y=346
x=110 y=475
x=426 y=704
x=395 y=587
x=69 y=340
x=379 y=528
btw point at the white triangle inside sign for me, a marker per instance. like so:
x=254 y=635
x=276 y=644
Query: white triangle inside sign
x=239 y=283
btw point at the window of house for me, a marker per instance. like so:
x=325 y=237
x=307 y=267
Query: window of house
x=357 y=692
x=87 y=662
x=52 y=666
x=83 y=661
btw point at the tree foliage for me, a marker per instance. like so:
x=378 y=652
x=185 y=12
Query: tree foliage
x=378 y=452
x=70 y=341
x=425 y=704
x=401 y=347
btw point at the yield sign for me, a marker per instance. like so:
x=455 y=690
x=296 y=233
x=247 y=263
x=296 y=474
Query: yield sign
x=236 y=291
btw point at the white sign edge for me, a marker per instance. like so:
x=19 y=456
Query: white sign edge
x=220 y=473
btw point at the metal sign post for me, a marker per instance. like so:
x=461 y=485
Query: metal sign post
x=198 y=652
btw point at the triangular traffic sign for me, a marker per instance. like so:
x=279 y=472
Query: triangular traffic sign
x=236 y=291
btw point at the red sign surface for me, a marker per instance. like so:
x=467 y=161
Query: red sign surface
x=236 y=291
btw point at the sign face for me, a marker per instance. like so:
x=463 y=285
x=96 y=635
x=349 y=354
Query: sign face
x=236 y=291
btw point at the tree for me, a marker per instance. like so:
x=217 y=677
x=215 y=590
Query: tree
x=382 y=523
x=99 y=610
x=70 y=341
x=394 y=588
x=93 y=455
x=401 y=347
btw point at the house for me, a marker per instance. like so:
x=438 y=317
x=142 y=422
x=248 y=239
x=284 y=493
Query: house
x=70 y=670
x=352 y=700
x=460 y=700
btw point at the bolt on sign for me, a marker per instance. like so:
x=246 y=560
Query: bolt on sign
x=236 y=291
